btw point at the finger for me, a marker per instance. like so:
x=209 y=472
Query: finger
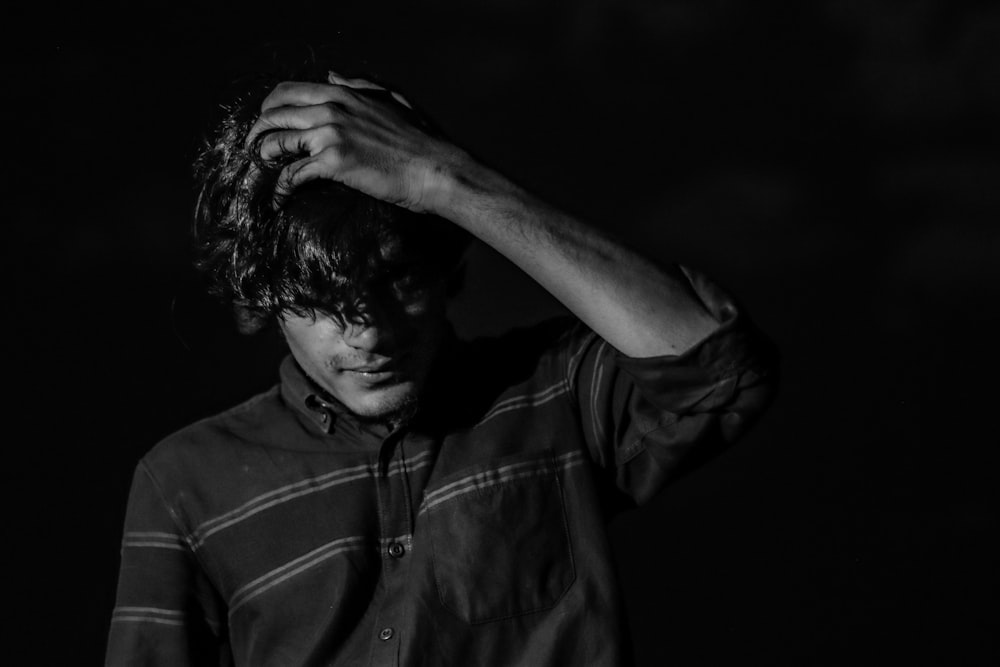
x=311 y=141
x=293 y=118
x=361 y=84
x=364 y=84
x=314 y=167
x=304 y=93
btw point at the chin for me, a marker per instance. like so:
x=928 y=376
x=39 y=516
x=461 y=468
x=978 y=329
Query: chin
x=392 y=403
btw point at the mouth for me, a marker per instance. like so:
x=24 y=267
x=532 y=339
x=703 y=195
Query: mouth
x=378 y=372
x=370 y=376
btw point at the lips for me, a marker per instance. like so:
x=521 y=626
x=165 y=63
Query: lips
x=386 y=375
x=384 y=367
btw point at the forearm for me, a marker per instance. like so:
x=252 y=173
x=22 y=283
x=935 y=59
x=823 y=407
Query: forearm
x=351 y=135
x=641 y=308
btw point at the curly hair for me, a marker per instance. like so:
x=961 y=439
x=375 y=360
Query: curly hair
x=325 y=248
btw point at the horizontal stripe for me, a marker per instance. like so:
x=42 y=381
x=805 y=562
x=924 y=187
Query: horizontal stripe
x=156 y=545
x=147 y=615
x=153 y=539
x=526 y=401
x=433 y=495
x=153 y=535
x=292 y=568
x=145 y=619
x=521 y=397
x=509 y=473
x=538 y=462
x=147 y=610
x=297 y=490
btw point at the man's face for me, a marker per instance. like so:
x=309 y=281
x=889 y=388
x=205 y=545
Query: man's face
x=377 y=366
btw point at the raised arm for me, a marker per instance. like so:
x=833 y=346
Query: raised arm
x=355 y=132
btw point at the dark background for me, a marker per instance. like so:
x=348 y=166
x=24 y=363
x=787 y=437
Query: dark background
x=834 y=164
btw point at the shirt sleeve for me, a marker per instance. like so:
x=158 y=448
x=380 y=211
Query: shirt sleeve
x=647 y=420
x=166 y=612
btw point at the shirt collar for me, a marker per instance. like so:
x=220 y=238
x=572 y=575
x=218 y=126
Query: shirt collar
x=299 y=391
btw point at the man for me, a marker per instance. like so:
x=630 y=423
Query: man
x=402 y=497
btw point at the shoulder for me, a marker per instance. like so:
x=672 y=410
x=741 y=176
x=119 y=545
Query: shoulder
x=214 y=441
x=219 y=462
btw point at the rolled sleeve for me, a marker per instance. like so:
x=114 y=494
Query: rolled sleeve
x=647 y=420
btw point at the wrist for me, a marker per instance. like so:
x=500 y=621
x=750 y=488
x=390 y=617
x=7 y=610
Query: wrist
x=438 y=182
x=459 y=187
x=446 y=181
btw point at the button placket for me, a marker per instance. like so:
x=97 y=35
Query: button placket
x=394 y=517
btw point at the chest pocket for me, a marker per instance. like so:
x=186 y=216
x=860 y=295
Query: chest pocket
x=500 y=541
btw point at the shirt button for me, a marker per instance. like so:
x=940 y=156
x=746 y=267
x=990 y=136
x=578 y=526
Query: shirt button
x=385 y=634
x=396 y=550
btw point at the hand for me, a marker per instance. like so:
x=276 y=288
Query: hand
x=357 y=133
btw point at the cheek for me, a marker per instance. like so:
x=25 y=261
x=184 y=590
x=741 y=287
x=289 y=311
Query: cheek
x=315 y=345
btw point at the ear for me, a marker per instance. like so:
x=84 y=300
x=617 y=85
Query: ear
x=249 y=320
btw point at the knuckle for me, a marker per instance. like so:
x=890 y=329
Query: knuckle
x=272 y=97
x=329 y=133
x=259 y=130
x=332 y=156
x=319 y=138
x=349 y=93
x=330 y=112
x=268 y=116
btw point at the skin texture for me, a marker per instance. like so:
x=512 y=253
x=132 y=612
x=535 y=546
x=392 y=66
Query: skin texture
x=376 y=366
x=357 y=133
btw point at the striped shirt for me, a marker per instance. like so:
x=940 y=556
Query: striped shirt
x=285 y=532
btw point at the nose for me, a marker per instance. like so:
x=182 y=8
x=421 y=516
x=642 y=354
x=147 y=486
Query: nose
x=376 y=332
x=368 y=337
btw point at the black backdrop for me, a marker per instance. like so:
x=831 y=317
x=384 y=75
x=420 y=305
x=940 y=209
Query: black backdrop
x=833 y=163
